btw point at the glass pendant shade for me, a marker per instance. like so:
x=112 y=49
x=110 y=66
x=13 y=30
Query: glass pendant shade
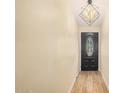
x=90 y=14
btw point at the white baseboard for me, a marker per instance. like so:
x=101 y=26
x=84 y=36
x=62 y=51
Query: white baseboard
x=105 y=81
x=72 y=84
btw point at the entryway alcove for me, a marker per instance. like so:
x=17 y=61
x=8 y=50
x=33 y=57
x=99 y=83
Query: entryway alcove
x=89 y=51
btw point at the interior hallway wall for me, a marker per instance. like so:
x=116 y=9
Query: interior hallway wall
x=105 y=44
x=46 y=46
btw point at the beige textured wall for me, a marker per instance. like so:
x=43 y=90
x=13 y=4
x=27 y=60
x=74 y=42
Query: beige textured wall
x=105 y=44
x=46 y=46
x=105 y=51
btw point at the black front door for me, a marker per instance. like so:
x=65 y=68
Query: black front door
x=89 y=51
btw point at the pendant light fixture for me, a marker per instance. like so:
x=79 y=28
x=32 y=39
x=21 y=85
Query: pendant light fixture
x=89 y=14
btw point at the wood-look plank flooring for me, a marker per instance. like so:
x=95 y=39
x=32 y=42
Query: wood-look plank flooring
x=89 y=82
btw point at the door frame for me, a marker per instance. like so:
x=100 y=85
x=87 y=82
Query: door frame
x=99 y=49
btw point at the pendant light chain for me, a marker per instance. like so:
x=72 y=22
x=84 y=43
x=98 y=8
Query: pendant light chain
x=89 y=1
